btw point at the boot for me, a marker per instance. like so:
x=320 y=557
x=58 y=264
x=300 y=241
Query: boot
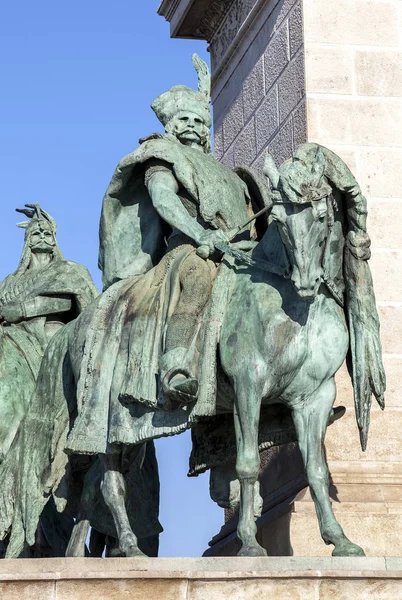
x=178 y=383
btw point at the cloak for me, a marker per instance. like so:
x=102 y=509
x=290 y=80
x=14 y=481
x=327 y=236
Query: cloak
x=22 y=345
x=104 y=365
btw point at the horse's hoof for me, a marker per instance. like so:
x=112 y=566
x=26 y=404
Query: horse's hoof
x=252 y=551
x=75 y=553
x=348 y=549
x=129 y=548
x=134 y=552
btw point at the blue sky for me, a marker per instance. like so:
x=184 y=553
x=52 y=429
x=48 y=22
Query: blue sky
x=77 y=82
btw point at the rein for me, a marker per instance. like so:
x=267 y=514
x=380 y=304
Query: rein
x=332 y=287
x=246 y=259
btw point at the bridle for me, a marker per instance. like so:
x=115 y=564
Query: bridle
x=270 y=267
x=332 y=286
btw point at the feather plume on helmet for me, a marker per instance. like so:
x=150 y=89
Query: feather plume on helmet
x=182 y=98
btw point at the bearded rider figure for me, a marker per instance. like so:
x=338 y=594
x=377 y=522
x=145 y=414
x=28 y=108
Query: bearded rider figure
x=196 y=202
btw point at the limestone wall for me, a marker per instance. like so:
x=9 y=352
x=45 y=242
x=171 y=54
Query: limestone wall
x=337 y=67
x=353 y=52
x=258 y=81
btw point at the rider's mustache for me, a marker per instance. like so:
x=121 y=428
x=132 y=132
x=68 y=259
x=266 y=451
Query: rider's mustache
x=43 y=241
x=191 y=131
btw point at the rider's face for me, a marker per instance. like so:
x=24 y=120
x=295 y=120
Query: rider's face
x=189 y=128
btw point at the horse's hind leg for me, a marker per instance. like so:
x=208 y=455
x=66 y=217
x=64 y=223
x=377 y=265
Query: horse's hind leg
x=113 y=489
x=246 y=421
x=311 y=421
x=77 y=544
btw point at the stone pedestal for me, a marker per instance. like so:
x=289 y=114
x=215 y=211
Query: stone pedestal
x=201 y=579
x=289 y=71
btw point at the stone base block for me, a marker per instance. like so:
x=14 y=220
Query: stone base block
x=202 y=579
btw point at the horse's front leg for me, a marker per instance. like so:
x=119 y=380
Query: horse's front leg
x=114 y=491
x=311 y=421
x=246 y=422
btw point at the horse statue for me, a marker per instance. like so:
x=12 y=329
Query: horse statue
x=295 y=307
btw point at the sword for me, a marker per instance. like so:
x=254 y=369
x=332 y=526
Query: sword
x=204 y=251
x=245 y=258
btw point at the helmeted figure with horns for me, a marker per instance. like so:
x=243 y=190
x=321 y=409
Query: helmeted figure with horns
x=43 y=294
x=36 y=301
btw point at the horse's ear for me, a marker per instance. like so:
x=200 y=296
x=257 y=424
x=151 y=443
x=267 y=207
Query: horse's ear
x=317 y=168
x=270 y=170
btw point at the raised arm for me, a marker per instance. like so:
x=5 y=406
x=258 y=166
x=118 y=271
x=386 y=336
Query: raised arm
x=163 y=189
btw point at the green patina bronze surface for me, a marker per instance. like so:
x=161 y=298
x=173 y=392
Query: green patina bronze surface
x=38 y=299
x=242 y=345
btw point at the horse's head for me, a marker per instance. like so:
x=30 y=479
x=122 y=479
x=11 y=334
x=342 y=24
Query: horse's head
x=303 y=229
x=301 y=208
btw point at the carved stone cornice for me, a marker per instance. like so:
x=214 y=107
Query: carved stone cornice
x=212 y=18
x=197 y=19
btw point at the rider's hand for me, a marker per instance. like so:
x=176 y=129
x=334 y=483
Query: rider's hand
x=210 y=237
x=13 y=312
